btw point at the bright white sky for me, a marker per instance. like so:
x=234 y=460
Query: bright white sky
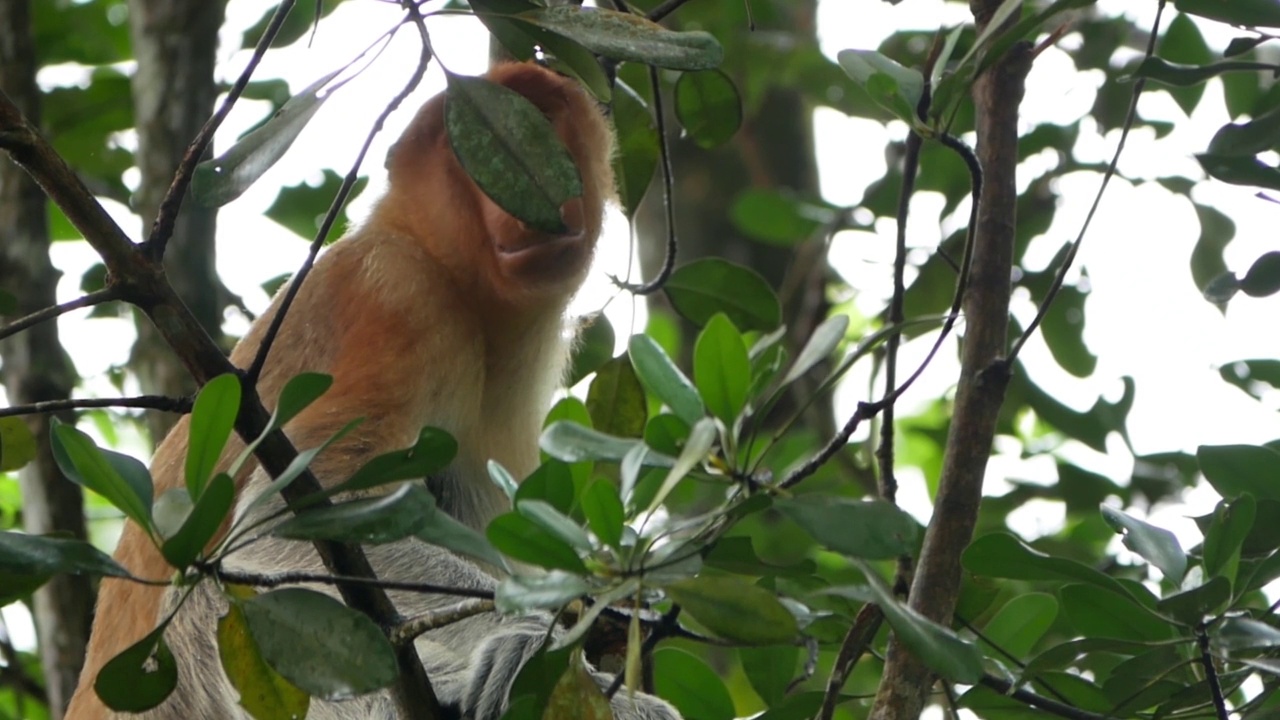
x=1145 y=317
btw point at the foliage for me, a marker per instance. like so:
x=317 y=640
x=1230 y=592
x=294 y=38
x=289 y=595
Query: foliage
x=694 y=489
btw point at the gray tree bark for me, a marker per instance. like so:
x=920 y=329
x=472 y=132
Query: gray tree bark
x=174 y=92
x=36 y=368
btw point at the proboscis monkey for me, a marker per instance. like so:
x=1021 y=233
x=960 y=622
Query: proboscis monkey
x=441 y=309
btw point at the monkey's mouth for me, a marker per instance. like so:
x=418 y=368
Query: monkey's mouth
x=544 y=257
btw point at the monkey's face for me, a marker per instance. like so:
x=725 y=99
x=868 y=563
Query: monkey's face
x=488 y=250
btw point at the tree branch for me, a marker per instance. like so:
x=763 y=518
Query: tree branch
x=149 y=402
x=983 y=379
x=97 y=297
x=407 y=631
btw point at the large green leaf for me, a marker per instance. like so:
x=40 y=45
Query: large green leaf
x=320 y=645
x=511 y=151
x=206 y=516
x=121 y=479
x=638 y=148
x=708 y=107
x=1229 y=527
x=1002 y=555
x=525 y=540
x=685 y=681
x=721 y=369
x=375 y=520
x=659 y=374
x=1248 y=13
x=1098 y=612
x=604 y=512
x=1234 y=470
x=28 y=561
x=896 y=88
x=17 y=444
x=1155 y=544
x=625 y=36
x=218 y=181
x=593 y=349
x=874 y=529
x=139 y=678
x=1018 y=626
x=705 y=287
x=264 y=693
x=616 y=400
x=432 y=452
x=735 y=609
x=212 y=419
x=547 y=591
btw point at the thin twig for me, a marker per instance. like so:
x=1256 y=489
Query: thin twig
x=167 y=214
x=273 y=580
x=861 y=633
x=665 y=9
x=668 y=197
x=340 y=199
x=868 y=410
x=1211 y=673
x=96 y=297
x=1060 y=277
x=163 y=403
x=405 y=632
x=1004 y=687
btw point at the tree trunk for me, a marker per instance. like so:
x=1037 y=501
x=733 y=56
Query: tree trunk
x=174 y=42
x=36 y=368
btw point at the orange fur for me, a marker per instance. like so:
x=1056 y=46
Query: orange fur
x=441 y=309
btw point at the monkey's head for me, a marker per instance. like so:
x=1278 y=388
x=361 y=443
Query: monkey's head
x=490 y=252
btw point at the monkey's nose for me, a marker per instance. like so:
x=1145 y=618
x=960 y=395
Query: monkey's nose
x=574 y=216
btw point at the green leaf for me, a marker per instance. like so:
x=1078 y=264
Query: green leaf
x=1178 y=75
x=1231 y=523
x=708 y=107
x=822 y=343
x=1234 y=470
x=571 y=442
x=1004 y=556
x=1097 y=612
x=503 y=479
x=1018 y=626
x=705 y=287
x=219 y=181
x=1255 y=136
x=776 y=217
x=264 y=693
x=212 y=419
x=685 y=681
x=770 y=669
x=1246 y=13
x=593 y=349
x=214 y=505
x=1190 y=607
x=1263 y=278
x=874 y=529
x=616 y=400
x=553 y=483
x=555 y=523
x=432 y=453
x=1240 y=170
x=734 y=609
x=637 y=156
x=721 y=369
x=17 y=444
x=896 y=88
x=525 y=540
x=936 y=646
x=295 y=468
x=701 y=438
x=320 y=645
x=301 y=208
x=1239 y=633
x=604 y=512
x=625 y=36
x=373 y=520
x=548 y=591
x=298 y=394
x=1155 y=544
x=511 y=151
x=1252 y=376
x=28 y=561
x=660 y=376
x=139 y=678
x=122 y=480
x=446 y=532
